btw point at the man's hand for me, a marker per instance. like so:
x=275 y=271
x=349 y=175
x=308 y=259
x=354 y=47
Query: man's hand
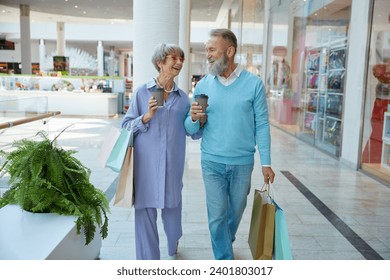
x=196 y=112
x=268 y=174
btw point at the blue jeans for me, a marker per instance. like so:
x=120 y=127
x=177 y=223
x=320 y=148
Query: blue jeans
x=227 y=188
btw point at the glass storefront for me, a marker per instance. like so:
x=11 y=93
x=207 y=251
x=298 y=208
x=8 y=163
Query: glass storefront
x=306 y=75
x=375 y=154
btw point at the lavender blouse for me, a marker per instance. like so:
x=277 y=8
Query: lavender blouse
x=159 y=148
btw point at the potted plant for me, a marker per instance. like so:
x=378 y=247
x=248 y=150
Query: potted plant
x=44 y=178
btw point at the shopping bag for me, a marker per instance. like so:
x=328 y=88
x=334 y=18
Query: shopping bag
x=262 y=228
x=282 y=248
x=124 y=196
x=255 y=222
x=118 y=152
x=108 y=145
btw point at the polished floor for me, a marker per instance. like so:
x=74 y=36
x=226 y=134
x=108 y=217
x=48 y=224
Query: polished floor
x=333 y=212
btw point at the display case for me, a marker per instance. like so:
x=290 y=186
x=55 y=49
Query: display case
x=386 y=141
x=324 y=95
x=70 y=95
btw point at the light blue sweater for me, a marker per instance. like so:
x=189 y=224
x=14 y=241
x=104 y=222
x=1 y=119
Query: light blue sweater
x=237 y=120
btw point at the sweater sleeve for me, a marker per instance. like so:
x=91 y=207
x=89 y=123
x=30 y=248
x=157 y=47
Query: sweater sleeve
x=191 y=127
x=133 y=117
x=262 y=128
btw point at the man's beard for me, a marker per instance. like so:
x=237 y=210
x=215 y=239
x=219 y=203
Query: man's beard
x=219 y=66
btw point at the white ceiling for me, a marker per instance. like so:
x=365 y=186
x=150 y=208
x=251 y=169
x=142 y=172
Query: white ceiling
x=201 y=10
x=99 y=11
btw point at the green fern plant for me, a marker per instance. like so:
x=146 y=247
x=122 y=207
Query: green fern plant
x=44 y=178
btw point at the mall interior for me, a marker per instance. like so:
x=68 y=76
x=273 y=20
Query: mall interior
x=325 y=64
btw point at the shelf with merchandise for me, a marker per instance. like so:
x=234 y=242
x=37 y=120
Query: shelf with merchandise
x=324 y=93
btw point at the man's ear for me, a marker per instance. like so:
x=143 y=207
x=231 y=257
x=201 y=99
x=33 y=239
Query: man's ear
x=230 y=51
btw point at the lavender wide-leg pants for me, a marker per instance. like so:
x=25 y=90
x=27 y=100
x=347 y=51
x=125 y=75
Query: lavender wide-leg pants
x=146 y=232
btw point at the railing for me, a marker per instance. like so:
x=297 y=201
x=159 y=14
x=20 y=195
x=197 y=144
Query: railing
x=29 y=119
x=21 y=118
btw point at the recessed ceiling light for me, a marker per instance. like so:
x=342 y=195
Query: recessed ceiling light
x=76 y=6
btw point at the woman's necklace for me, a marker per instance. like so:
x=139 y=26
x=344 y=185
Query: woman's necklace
x=163 y=86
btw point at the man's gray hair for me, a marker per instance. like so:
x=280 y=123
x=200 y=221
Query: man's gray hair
x=227 y=35
x=163 y=50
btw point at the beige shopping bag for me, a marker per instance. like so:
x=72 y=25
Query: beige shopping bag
x=262 y=228
x=124 y=196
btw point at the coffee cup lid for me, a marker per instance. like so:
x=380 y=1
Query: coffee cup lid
x=201 y=95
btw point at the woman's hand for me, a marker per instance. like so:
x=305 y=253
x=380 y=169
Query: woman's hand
x=152 y=110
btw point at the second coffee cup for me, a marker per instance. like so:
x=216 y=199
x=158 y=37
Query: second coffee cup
x=202 y=100
x=158 y=94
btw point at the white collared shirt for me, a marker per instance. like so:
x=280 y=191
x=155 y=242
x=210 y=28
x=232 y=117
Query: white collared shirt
x=233 y=76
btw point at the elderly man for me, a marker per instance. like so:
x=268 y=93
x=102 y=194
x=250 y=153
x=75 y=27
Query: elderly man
x=236 y=120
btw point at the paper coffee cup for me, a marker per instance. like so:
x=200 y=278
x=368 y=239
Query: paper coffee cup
x=202 y=100
x=158 y=94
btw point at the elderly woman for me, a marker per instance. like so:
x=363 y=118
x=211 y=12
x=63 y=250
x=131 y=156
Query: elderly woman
x=159 y=151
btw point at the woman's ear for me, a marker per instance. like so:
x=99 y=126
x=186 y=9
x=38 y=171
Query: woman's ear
x=159 y=66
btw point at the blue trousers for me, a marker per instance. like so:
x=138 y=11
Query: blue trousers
x=146 y=233
x=227 y=188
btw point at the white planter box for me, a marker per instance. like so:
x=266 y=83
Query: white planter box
x=31 y=236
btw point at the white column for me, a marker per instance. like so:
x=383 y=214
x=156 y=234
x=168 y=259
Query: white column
x=60 y=39
x=355 y=83
x=25 y=40
x=121 y=65
x=155 y=21
x=267 y=52
x=184 y=36
x=111 y=66
x=42 y=55
x=100 y=59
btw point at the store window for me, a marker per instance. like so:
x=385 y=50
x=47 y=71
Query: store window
x=376 y=131
x=306 y=74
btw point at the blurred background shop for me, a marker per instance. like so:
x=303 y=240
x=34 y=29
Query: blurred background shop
x=328 y=78
x=325 y=63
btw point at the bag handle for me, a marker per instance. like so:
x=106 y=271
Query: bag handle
x=131 y=137
x=266 y=188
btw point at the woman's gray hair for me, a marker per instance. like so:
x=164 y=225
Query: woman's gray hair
x=163 y=50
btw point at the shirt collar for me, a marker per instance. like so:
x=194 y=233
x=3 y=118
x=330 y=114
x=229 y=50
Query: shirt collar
x=237 y=72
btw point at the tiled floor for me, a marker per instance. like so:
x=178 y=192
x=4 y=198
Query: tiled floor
x=333 y=212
